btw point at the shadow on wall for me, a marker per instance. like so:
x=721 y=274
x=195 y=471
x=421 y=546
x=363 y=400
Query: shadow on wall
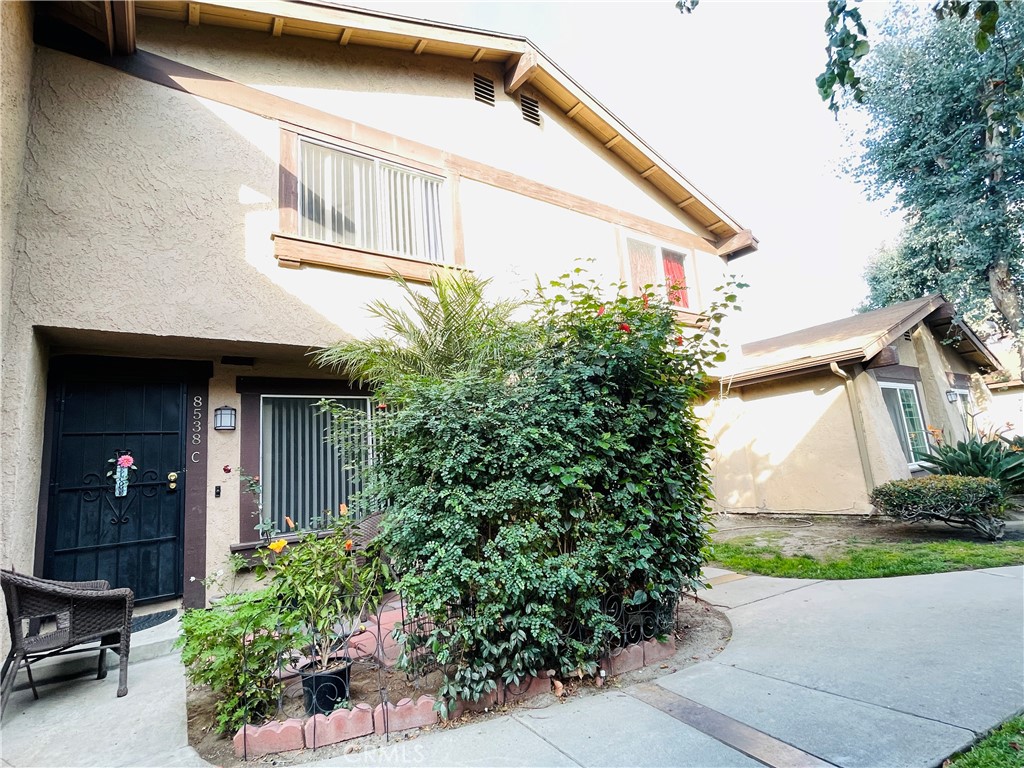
x=164 y=225
x=786 y=446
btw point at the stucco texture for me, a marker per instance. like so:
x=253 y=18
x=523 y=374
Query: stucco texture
x=425 y=98
x=786 y=446
x=21 y=416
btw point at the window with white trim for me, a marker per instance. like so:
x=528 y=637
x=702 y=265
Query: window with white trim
x=365 y=203
x=302 y=473
x=904 y=409
x=965 y=404
x=652 y=264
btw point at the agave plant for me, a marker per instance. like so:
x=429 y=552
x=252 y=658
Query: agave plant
x=977 y=457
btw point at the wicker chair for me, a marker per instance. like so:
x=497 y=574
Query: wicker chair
x=71 y=613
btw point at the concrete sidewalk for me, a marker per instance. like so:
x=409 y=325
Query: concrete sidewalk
x=872 y=673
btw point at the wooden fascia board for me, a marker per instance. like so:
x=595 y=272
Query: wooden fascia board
x=904 y=325
x=793 y=368
x=521 y=71
x=740 y=244
x=375 y=21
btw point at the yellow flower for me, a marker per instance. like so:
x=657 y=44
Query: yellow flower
x=343 y=508
x=277 y=546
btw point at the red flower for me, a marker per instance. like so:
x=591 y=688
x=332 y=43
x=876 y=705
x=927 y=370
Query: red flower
x=227 y=469
x=646 y=301
x=348 y=545
x=382 y=406
x=600 y=310
x=625 y=327
x=679 y=341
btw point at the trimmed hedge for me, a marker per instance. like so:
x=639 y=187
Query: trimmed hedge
x=970 y=502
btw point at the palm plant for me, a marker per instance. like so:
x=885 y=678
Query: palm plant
x=449 y=328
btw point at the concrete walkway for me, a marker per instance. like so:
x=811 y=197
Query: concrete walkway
x=872 y=673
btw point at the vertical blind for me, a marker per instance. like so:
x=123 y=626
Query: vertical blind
x=303 y=474
x=363 y=203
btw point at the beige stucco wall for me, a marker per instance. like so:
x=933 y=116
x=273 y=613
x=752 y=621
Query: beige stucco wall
x=19 y=385
x=424 y=98
x=786 y=446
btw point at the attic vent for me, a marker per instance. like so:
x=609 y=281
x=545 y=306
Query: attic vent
x=908 y=336
x=483 y=89
x=531 y=109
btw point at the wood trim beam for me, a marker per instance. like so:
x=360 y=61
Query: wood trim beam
x=575 y=110
x=288 y=184
x=291 y=251
x=521 y=72
x=123 y=22
x=479 y=54
x=193 y=14
x=687 y=202
x=277 y=27
x=740 y=243
x=496 y=177
x=420 y=47
x=646 y=174
x=612 y=141
x=346 y=35
x=172 y=74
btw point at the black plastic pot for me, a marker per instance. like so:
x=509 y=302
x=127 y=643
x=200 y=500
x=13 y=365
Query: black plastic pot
x=324 y=689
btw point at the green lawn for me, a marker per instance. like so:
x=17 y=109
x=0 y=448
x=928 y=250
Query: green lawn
x=1003 y=748
x=856 y=561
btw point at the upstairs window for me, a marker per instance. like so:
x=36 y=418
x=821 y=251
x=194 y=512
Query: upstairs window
x=650 y=264
x=367 y=204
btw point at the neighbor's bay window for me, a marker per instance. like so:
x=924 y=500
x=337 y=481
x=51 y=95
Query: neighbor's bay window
x=650 y=264
x=367 y=204
x=905 y=413
x=302 y=473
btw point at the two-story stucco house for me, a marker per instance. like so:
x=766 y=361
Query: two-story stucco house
x=197 y=194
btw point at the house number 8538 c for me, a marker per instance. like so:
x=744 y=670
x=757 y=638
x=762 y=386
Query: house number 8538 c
x=197 y=426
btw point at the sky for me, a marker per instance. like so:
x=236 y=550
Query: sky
x=728 y=98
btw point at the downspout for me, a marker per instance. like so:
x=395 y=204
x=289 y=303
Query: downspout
x=858 y=425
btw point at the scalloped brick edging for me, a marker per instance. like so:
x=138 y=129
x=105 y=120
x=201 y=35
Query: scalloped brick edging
x=256 y=740
x=405 y=714
x=341 y=725
x=655 y=651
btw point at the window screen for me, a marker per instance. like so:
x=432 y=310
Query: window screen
x=905 y=414
x=303 y=474
x=363 y=203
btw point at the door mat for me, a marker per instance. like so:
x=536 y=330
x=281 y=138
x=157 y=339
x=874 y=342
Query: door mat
x=151 y=620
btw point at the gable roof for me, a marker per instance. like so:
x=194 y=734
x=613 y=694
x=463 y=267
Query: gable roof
x=523 y=61
x=854 y=339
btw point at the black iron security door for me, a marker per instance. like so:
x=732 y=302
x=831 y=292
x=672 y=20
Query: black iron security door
x=116 y=501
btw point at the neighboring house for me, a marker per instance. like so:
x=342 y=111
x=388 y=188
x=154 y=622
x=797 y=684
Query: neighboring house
x=811 y=421
x=1005 y=411
x=184 y=220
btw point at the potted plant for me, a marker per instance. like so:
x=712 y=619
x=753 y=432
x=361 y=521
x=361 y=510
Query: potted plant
x=319 y=583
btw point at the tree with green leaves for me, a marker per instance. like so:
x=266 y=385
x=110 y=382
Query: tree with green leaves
x=931 y=146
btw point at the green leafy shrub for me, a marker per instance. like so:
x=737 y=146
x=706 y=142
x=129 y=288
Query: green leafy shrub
x=971 y=502
x=523 y=497
x=978 y=457
x=235 y=647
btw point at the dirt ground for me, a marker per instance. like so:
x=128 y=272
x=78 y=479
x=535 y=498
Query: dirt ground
x=817 y=535
x=701 y=633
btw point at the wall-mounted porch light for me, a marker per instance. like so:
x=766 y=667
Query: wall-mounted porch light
x=224 y=418
x=951 y=396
